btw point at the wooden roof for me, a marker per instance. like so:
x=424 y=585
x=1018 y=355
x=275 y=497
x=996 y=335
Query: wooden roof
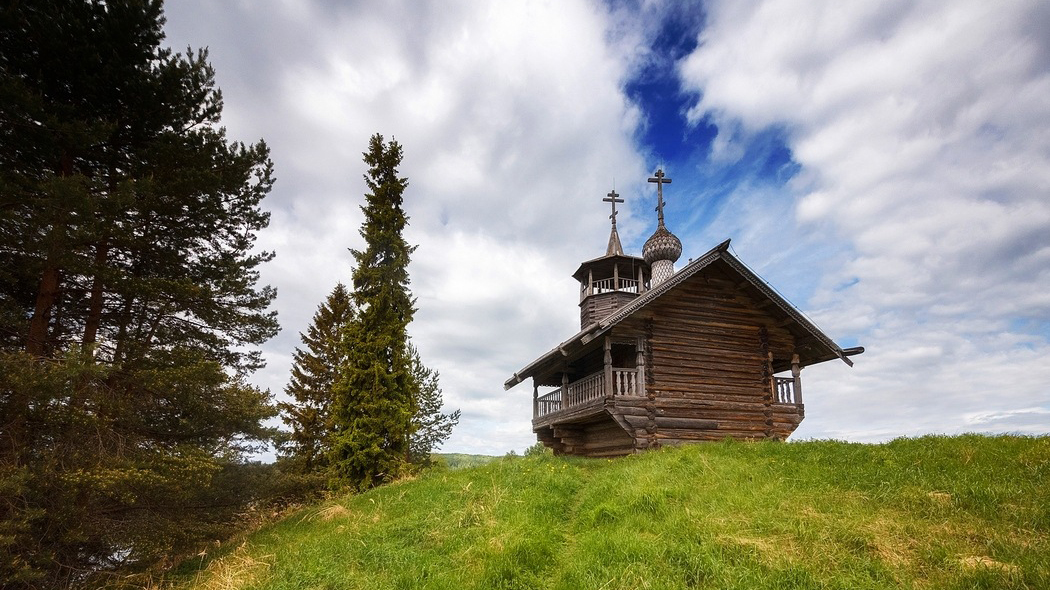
x=603 y=266
x=822 y=347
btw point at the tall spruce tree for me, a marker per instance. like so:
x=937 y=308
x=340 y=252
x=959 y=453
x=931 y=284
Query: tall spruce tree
x=374 y=404
x=129 y=301
x=315 y=371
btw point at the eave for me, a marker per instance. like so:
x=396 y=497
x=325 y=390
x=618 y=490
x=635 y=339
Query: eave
x=720 y=252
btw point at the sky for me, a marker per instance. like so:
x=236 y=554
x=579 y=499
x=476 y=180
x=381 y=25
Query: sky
x=884 y=165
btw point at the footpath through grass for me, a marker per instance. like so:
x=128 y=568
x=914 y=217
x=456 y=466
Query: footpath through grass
x=934 y=512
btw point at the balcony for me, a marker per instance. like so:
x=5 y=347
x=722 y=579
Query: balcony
x=624 y=382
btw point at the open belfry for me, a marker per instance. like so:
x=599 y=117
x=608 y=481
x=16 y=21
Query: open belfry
x=668 y=357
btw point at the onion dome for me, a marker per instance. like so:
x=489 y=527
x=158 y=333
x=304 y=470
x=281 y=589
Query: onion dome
x=662 y=245
x=663 y=248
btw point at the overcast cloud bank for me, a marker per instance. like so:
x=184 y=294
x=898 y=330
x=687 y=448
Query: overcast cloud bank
x=914 y=220
x=921 y=132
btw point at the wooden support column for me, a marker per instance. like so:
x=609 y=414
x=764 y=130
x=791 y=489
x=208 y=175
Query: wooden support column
x=640 y=363
x=796 y=372
x=590 y=281
x=535 y=398
x=564 y=390
x=608 y=368
x=616 y=277
x=641 y=281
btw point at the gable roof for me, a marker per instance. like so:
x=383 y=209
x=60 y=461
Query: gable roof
x=718 y=253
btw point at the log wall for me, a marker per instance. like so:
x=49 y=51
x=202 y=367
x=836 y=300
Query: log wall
x=712 y=343
x=711 y=347
x=709 y=369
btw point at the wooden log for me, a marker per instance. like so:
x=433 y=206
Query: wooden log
x=690 y=395
x=638 y=422
x=625 y=410
x=670 y=422
x=705 y=405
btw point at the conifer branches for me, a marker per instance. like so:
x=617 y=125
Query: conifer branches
x=315 y=369
x=366 y=407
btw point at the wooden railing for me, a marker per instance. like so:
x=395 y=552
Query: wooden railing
x=608 y=285
x=551 y=402
x=629 y=285
x=585 y=389
x=784 y=388
x=625 y=382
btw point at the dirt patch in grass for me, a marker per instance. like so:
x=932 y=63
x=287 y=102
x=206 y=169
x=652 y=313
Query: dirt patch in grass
x=979 y=561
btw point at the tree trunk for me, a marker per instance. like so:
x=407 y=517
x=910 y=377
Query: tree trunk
x=50 y=280
x=94 y=317
x=47 y=294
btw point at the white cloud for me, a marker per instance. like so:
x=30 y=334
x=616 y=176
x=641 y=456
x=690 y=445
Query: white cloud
x=921 y=129
x=513 y=127
x=918 y=223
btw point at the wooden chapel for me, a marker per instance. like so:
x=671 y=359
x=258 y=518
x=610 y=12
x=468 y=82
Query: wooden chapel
x=664 y=357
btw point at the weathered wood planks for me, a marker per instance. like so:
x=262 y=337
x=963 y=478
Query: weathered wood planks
x=708 y=350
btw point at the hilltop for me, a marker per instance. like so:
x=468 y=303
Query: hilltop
x=932 y=512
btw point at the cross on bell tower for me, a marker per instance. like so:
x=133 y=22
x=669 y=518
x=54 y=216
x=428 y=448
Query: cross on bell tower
x=660 y=182
x=614 y=247
x=613 y=198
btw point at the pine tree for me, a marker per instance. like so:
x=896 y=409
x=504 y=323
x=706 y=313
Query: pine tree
x=314 y=373
x=129 y=301
x=374 y=403
x=430 y=427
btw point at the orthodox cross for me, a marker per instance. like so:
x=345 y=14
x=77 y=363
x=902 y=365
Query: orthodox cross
x=614 y=199
x=660 y=182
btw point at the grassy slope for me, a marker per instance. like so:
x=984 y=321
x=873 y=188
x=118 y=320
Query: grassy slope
x=963 y=512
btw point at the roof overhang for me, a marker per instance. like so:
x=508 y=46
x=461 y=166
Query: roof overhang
x=604 y=266
x=558 y=354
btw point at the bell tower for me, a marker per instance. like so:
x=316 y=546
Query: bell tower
x=609 y=282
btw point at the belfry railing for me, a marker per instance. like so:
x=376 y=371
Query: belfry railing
x=609 y=285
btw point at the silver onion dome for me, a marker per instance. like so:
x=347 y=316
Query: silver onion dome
x=662 y=245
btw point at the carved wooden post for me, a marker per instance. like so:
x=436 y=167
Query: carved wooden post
x=616 y=277
x=640 y=363
x=590 y=281
x=564 y=390
x=641 y=281
x=609 y=385
x=535 y=398
x=796 y=372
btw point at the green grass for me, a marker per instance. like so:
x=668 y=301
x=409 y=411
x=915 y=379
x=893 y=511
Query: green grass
x=934 y=512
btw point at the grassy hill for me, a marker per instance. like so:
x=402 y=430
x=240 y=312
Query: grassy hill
x=935 y=512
